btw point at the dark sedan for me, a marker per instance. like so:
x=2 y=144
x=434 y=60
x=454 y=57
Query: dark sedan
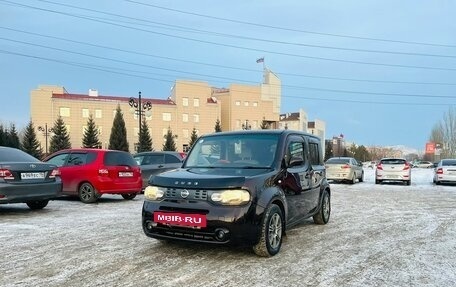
x=25 y=179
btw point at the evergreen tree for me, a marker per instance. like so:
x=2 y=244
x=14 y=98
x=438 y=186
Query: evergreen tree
x=328 y=150
x=60 y=139
x=170 y=144
x=118 y=137
x=194 y=137
x=145 y=141
x=12 y=139
x=90 y=138
x=30 y=143
x=2 y=136
x=217 y=127
x=264 y=124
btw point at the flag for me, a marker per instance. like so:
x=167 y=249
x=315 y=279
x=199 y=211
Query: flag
x=260 y=60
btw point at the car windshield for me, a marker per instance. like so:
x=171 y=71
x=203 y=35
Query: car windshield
x=393 y=161
x=234 y=151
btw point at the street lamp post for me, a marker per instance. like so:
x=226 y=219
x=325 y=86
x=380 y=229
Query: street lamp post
x=139 y=109
x=46 y=133
x=246 y=125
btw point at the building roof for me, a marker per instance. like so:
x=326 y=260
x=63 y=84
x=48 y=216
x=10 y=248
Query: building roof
x=82 y=97
x=289 y=117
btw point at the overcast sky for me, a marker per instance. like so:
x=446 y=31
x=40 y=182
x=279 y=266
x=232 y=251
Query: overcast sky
x=378 y=72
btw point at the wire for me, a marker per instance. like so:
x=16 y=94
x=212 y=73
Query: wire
x=239 y=47
x=90 y=66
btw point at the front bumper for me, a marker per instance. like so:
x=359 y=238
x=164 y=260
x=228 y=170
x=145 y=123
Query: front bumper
x=224 y=224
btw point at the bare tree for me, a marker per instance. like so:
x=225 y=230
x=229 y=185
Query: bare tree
x=444 y=134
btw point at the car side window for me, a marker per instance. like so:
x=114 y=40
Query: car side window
x=155 y=159
x=171 y=159
x=77 y=159
x=314 y=151
x=295 y=153
x=58 y=160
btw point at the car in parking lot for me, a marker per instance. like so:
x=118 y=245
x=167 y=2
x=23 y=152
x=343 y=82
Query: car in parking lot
x=25 y=179
x=154 y=162
x=245 y=187
x=423 y=164
x=445 y=172
x=393 y=169
x=344 y=169
x=90 y=173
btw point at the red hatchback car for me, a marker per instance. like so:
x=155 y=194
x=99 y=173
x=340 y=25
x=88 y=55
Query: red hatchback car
x=90 y=173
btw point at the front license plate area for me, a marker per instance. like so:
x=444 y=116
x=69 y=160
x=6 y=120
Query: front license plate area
x=180 y=219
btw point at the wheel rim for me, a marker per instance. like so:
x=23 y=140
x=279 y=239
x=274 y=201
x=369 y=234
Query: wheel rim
x=86 y=192
x=275 y=231
x=326 y=208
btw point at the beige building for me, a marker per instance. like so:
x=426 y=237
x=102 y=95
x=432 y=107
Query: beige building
x=299 y=121
x=191 y=104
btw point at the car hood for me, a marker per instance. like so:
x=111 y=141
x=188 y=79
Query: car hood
x=197 y=178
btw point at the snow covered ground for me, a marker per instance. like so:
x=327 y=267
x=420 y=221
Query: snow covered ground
x=378 y=235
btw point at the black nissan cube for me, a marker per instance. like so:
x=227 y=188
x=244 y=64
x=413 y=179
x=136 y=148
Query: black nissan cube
x=244 y=187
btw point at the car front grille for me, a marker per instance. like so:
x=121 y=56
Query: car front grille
x=193 y=194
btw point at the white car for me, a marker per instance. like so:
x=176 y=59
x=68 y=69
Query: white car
x=393 y=169
x=423 y=164
x=445 y=171
x=344 y=169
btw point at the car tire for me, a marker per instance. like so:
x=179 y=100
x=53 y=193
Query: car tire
x=87 y=193
x=271 y=232
x=353 y=180
x=37 y=204
x=129 y=196
x=408 y=182
x=437 y=182
x=323 y=214
x=377 y=181
x=361 y=179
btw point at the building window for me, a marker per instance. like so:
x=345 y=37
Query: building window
x=196 y=118
x=185 y=118
x=166 y=117
x=185 y=102
x=64 y=112
x=255 y=104
x=246 y=104
x=237 y=103
x=85 y=113
x=98 y=114
x=196 y=102
x=185 y=133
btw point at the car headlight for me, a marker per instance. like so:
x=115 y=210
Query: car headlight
x=154 y=193
x=231 y=197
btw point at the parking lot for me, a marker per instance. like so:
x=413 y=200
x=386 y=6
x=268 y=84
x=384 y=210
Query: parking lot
x=378 y=235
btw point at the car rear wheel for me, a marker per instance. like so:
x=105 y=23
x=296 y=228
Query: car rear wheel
x=408 y=182
x=377 y=181
x=353 y=180
x=271 y=233
x=87 y=193
x=37 y=204
x=129 y=196
x=322 y=217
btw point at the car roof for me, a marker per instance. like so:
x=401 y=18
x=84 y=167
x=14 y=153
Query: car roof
x=157 y=152
x=266 y=131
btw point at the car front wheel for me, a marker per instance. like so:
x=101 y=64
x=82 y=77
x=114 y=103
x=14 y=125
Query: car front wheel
x=271 y=233
x=37 y=204
x=87 y=193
